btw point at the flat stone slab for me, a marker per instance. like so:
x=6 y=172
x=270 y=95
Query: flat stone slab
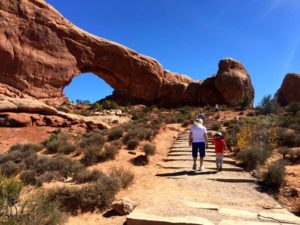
x=238 y=213
x=279 y=217
x=199 y=205
x=139 y=218
x=243 y=222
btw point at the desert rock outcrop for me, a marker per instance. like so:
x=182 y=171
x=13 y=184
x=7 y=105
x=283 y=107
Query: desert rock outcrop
x=41 y=52
x=289 y=90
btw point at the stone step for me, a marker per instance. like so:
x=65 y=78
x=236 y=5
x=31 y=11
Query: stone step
x=140 y=218
x=246 y=222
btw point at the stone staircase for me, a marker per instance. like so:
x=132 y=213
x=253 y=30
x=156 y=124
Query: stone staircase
x=193 y=197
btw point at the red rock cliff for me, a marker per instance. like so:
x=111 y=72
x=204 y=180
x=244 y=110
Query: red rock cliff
x=41 y=52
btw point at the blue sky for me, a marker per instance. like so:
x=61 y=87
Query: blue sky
x=191 y=36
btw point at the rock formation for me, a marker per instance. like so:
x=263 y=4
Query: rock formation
x=41 y=52
x=289 y=90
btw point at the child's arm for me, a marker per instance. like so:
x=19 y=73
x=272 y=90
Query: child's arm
x=190 y=139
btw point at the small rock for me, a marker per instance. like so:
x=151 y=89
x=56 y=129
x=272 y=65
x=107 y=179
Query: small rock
x=124 y=206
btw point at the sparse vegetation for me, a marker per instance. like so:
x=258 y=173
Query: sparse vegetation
x=85 y=176
x=132 y=144
x=88 y=198
x=215 y=126
x=275 y=175
x=125 y=176
x=253 y=157
x=115 y=133
x=149 y=149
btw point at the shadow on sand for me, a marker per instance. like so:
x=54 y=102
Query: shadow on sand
x=185 y=172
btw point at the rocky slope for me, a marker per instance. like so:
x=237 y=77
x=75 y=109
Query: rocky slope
x=43 y=51
x=289 y=90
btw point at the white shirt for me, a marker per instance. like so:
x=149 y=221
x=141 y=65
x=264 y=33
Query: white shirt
x=198 y=133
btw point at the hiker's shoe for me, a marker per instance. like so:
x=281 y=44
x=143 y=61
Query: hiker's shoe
x=194 y=166
x=220 y=169
x=202 y=169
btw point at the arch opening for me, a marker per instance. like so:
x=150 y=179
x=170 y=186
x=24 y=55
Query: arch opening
x=87 y=87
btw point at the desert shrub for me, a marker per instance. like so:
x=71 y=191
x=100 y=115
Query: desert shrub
x=253 y=157
x=268 y=105
x=26 y=147
x=275 y=175
x=63 y=165
x=10 y=169
x=115 y=133
x=226 y=123
x=85 y=176
x=215 y=126
x=287 y=137
x=90 y=155
x=137 y=132
x=67 y=148
x=98 y=195
x=125 y=176
x=132 y=144
x=29 y=177
x=108 y=104
x=16 y=155
x=92 y=139
x=293 y=107
x=36 y=209
x=48 y=176
x=40 y=210
x=149 y=149
x=109 y=152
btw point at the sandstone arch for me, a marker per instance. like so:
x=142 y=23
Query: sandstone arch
x=43 y=52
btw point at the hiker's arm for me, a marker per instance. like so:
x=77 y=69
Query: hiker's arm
x=190 y=139
x=206 y=140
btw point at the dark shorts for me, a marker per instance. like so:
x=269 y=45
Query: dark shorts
x=198 y=147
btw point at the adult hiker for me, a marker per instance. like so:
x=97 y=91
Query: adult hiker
x=199 y=141
x=220 y=147
x=201 y=116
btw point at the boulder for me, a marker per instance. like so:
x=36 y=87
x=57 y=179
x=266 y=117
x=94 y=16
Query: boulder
x=43 y=52
x=233 y=82
x=289 y=90
x=123 y=206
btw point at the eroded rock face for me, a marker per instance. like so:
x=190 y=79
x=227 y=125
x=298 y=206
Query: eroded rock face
x=289 y=90
x=42 y=52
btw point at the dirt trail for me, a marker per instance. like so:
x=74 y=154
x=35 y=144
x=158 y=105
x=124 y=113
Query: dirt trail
x=171 y=191
x=225 y=197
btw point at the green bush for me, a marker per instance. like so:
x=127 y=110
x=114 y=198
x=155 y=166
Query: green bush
x=29 y=177
x=275 y=175
x=253 y=157
x=88 y=198
x=268 y=105
x=26 y=147
x=63 y=165
x=67 y=148
x=287 y=137
x=108 y=104
x=115 y=133
x=149 y=149
x=10 y=169
x=109 y=152
x=91 y=155
x=215 y=126
x=85 y=176
x=125 y=176
x=293 y=107
x=132 y=144
x=92 y=139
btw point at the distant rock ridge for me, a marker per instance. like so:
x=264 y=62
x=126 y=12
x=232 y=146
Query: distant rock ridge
x=289 y=90
x=41 y=52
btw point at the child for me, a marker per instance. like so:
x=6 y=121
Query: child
x=220 y=147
